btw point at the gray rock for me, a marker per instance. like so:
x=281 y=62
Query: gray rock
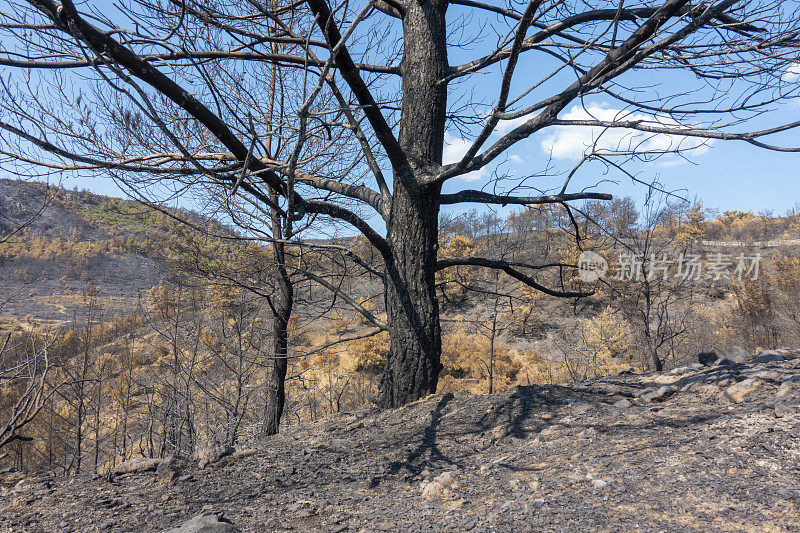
x=791 y=383
x=737 y=354
x=211 y=452
x=723 y=361
x=707 y=358
x=762 y=373
x=169 y=469
x=135 y=466
x=738 y=391
x=623 y=403
x=658 y=395
x=440 y=487
x=768 y=356
x=210 y=523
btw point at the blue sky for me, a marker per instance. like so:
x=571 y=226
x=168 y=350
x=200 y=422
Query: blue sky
x=724 y=175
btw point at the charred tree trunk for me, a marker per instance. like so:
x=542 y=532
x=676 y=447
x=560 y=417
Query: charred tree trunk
x=282 y=305
x=413 y=363
x=276 y=388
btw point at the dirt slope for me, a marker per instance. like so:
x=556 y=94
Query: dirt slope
x=713 y=449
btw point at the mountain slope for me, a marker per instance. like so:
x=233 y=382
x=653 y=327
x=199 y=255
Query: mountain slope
x=719 y=453
x=72 y=240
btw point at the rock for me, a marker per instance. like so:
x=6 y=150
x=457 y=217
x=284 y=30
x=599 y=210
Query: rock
x=209 y=523
x=789 y=384
x=623 y=403
x=737 y=354
x=769 y=356
x=658 y=395
x=762 y=373
x=596 y=481
x=549 y=433
x=211 y=452
x=241 y=453
x=738 y=391
x=599 y=483
x=440 y=487
x=499 y=432
x=135 y=466
x=707 y=358
x=169 y=469
x=723 y=361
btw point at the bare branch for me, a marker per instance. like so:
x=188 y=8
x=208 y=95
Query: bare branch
x=509 y=269
x=489 y=198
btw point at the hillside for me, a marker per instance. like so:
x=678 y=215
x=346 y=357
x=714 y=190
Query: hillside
x=695 y=449
x=185 y=377
x=72 y=240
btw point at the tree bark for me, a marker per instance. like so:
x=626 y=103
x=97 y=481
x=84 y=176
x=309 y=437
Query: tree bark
x=413 y=363
x=283 y=302
x=276 y=389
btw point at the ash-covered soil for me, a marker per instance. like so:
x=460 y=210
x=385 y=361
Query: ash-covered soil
x=696 y=449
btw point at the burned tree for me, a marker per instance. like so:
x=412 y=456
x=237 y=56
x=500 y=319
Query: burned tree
x=169 y=98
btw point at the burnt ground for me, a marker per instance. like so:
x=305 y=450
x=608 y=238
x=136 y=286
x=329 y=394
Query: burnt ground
x=705 y=449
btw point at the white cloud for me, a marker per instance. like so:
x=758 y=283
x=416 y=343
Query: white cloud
x=792 y=73
x=504 y=126
x=454 y=150
x=572 y=142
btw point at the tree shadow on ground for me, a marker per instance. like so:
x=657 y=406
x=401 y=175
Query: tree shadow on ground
x=428 y=444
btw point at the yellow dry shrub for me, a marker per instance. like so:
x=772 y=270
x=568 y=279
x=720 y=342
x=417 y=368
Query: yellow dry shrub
x=324 y=360
x=106 y=361
x=602 y=346
x=538 y=370
x=768 y=307
x=569 y=252
x=525 y=317
x=366 y=355
x=454 y=246
x=743 y=228
x=457 y=350
x=210 y=340
x=457 y=246
x=786 y=273
x=692 y=228
x=466 y=359
x=607 y=334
